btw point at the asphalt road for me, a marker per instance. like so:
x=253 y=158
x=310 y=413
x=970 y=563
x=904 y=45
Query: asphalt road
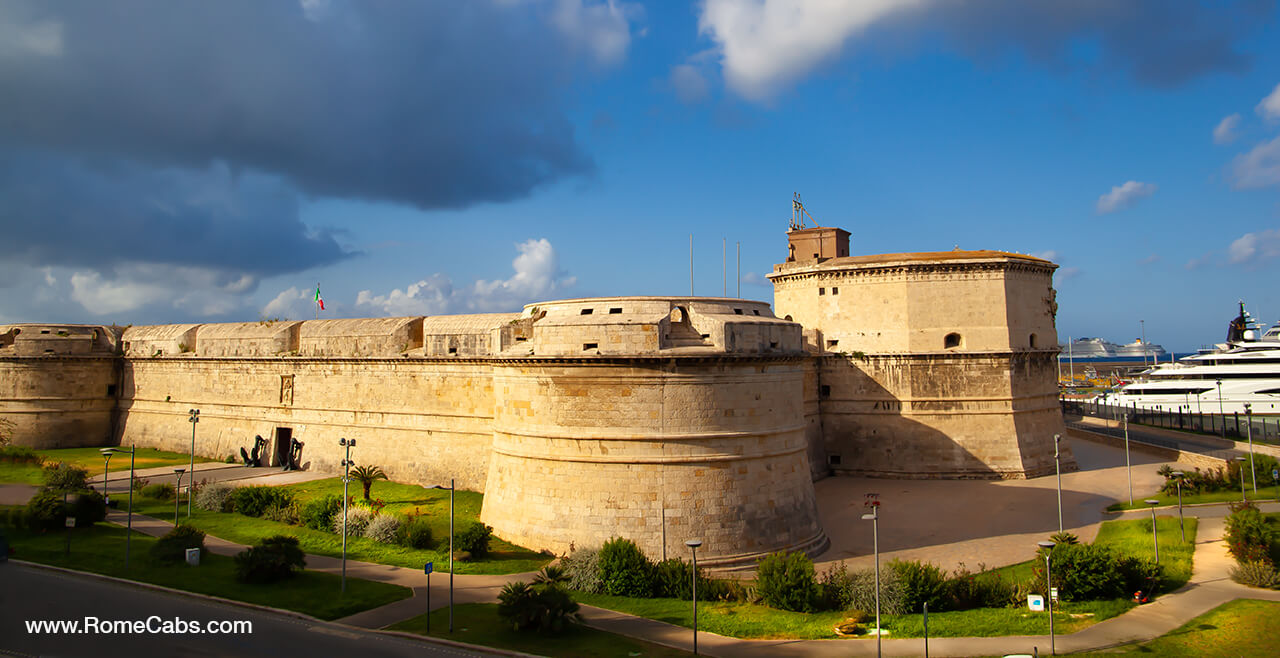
x=29 y=594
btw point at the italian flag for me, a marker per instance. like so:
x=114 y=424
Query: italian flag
x=319 y=300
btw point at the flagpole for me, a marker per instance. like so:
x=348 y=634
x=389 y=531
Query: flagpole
x=317 y=301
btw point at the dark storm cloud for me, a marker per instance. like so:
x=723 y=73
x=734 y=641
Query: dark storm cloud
x=1159 y=43
x=432 y=104
x=64 y=211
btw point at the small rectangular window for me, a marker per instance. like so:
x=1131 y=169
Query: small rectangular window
x=835 y=291
x=44 y=331
x=824 y=391
x=831 y=344
x=755 y=311
x=590 y=346
x=111 y=390
x=737 y=311
x=706 y=335
x=822 y=291
x=521 y=339
x=453 y=350
x=773 y=344
x=615 y=310
x=834 y=460
x=586 y=311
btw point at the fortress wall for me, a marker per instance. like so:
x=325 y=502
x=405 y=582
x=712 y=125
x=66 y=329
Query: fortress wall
x=1032 y=307
x=365 y=337
x=938 y=416
x=968 y=300
x=159 y=340
x=241 y=339
x=813 y=433
x=859 y=311
x=422 y=421
x=659 y=451
x=58 y=402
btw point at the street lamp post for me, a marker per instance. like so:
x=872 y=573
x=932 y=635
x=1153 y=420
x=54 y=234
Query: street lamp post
x=1222 y=416
x=1048 y=589
x=347 y=445
x=1155 y=536
x=693 y=545
x=874 y=518
x=177 y=493
x=193 y=417
x=128 y=535
x=1128 y=468
x=1240 y=462
x=1253 y=474
x=1181 y=525
x=452 y=487
x=1057 y=463
x=106 y=473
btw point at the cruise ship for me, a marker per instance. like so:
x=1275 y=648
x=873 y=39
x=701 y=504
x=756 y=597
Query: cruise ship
x=1243 y=370
x=1084 y=349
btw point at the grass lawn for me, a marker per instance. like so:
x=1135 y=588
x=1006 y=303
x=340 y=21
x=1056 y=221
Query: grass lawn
x=478 y=623
x=504 y=558
x=747 y=620
x=91 y=459
x=100 y=549
x=1265 y=494
x=1244 y=627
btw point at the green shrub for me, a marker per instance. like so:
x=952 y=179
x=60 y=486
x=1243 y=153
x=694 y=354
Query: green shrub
x=65 y=477
x=1248 y=535
x=271 y=559
x=358 y=519
x=172 y=547
x=215 y=497
x=160 y=491
x=16 y=517
x=543 y=607
x=383 y=528
x=318 y=513
x=835 y=588
x=921 y=583
x=414 y=533
x=1085 y=572
x=1256 y=573
x=19 y=455
x=474 y=539
x=88 y=507
x=862 y=591
x=967 y=590
x=46 y=511
x=786 y=582
x=282 y=513
x=583 y=568
x=254 y=501
x=673 y=579
x=624 y=569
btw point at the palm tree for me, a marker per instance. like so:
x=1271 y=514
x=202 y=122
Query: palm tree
x=365 y=475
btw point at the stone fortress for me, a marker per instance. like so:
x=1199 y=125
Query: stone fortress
x=654 y=418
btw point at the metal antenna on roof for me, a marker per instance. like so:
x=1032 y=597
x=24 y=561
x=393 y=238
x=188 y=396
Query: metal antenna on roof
x=798 y=213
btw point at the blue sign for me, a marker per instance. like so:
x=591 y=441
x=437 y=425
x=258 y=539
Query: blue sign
x=427 y=568
x=1275 y=474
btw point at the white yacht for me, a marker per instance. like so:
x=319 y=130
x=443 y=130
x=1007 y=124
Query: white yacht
x=1244 y=369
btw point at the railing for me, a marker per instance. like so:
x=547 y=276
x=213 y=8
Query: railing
x=1229 y=426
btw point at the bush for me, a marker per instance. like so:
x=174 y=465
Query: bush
x=282 y=513
x=383 y=528
x=271 y=559
x=19 y=455
x=88 y=508
x=786 y=582
x=214 y=497
x=254 y=501
x=65 y=477
x=358 y=519
x=46 y=511
x=474 y=539
x=834 y=588
x=1085 y=572
x=543 y=606
x=1248 y=535
x=162 y=491
x=1256 y=573
x=921 y=583
x=318 y=513
x=673 y=579
x=16 y=517
x=583 y=568
x=414 y=533
x=862 y=592
x=624 y=569
x=967 y=590
x=172 y=547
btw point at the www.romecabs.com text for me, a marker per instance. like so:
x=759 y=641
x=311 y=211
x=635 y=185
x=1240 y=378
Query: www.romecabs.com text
x=151 y=625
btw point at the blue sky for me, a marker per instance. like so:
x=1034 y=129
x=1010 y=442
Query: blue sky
x=185 y=161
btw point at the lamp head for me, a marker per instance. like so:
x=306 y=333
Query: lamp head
x=1177 y=474
x=1152 y=502
x=1046 y=544
x=1239 y=459
x=869 y=517
x=693 y=543
x=179 y=471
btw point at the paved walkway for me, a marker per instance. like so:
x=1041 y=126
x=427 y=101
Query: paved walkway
x=236 y=475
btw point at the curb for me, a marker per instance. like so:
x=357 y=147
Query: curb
x=262 y=608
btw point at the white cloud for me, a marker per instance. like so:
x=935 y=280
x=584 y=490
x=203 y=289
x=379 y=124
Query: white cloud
x=1259 y=167
x=1269 y=108
x=1067 y=273
x=1123 y=196
x=314 y=10
x=689 y=84
x=1149 y=259
x=20 y=38
x=199 y=291
x=765 y=43
x=603 y=28
x=755 y=279
x=293 y=304
x=1050 y=255
x=1254 y=248
x=537 y=276
x=1225 y=132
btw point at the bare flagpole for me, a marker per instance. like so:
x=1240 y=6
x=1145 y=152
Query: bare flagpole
x=690 y=264
x=739 y=269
